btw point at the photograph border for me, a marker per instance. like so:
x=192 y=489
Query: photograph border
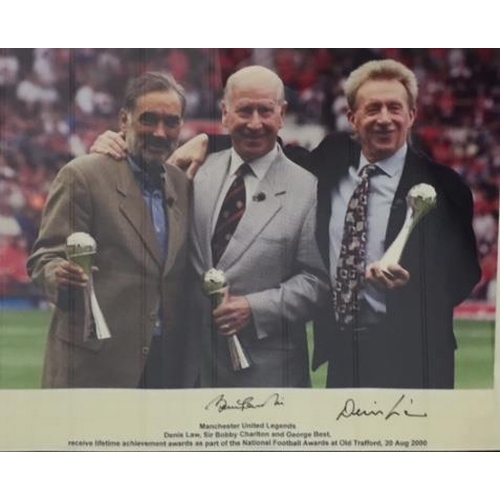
x=281 y=419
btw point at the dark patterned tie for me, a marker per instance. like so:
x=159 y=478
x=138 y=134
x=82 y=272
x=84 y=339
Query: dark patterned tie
x=351 y=264
x=231 y=211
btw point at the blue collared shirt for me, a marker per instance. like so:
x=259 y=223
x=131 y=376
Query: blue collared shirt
x=153 y=197
x=383 y=186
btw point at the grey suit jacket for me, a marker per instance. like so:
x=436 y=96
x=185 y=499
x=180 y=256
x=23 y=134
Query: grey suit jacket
x=273 y=260
x=100 y=196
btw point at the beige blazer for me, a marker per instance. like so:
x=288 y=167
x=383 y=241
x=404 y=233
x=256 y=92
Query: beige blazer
x=100 y=196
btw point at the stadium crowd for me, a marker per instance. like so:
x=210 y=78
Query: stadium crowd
x=55 y=102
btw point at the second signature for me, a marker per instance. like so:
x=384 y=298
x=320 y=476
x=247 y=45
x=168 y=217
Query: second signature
x=401 y=408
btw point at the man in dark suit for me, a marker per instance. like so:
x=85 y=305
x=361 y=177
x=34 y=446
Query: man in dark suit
x=402 y=331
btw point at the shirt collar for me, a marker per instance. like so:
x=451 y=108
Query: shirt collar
x=142 y=175
x=391 y=166
x=133 y=165
x=260 y=166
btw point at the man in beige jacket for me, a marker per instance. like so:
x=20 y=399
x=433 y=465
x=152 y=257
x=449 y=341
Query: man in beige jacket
x=137 y=211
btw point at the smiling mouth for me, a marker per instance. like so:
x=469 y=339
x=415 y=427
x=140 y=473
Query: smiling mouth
x=384 y=133
x=157 y=147
x=254 y=138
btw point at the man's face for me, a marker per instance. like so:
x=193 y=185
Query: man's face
x=382 y=118
x=152 y=128
x=253 y=117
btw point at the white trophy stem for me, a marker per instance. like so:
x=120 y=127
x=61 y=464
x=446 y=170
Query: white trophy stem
x=238 y=359
x=101 y=327
x=394 y=252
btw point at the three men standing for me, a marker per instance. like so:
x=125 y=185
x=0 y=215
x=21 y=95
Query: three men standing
x=255 y=218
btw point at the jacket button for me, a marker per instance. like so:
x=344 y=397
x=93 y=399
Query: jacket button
x=145 y=350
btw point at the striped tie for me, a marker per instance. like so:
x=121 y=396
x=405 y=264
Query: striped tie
x=231 y=212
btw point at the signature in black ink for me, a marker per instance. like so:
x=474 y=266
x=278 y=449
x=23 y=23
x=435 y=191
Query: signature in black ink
x=400 y=409
x=221 y=404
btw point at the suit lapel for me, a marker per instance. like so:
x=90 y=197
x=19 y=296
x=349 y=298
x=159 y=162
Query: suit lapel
x=208 y=184
x=258 y=213
x=175 y=221
x=135 y=211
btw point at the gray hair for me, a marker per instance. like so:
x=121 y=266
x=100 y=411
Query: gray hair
x=385 y=69
x=152 y=81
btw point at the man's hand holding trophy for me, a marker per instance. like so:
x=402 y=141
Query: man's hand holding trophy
x=420 y=200
x=81 y=249
x=216 y=287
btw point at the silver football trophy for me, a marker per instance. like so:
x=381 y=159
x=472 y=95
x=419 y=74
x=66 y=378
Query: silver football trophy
x=420 y=200
x=81 y=249
x=215 y=285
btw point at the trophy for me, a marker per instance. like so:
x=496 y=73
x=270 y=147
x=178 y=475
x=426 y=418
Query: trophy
x=215 y=285
x=80 y=249
x=420 y=200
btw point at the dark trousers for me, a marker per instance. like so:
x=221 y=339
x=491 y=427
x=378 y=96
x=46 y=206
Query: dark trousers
x=378 y=356
x=156 y=371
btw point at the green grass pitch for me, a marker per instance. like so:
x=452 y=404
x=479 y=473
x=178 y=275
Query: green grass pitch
x=23 y=333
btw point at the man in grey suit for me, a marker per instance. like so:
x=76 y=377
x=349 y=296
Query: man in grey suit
x=261 y=234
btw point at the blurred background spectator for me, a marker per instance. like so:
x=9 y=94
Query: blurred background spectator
x=54 y=103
